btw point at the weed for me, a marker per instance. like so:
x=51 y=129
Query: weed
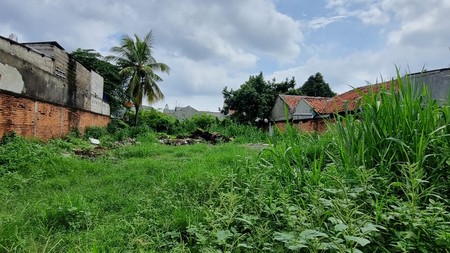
x=376 y=182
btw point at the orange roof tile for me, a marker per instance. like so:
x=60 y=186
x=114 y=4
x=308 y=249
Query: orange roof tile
x=291 y=100
x=347 y=100
x=351 y=98
x=317 y=103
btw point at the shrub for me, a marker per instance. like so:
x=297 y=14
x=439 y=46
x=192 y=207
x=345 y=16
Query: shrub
x=138 y=130
x=158 y=121
x=95 y=132
x=7 y=137
x=203 y=121
x=24 y=156
x=116 y=125
x=376 y=181
x=242 y=133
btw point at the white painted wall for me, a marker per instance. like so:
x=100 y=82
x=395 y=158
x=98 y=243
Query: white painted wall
x=10 y=79
x=96 y=85
x=98 y=106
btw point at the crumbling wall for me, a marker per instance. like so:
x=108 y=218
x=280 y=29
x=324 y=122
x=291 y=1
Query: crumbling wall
x=46 y=94
x=27 y=54
x=20 y=73
x=44 y=71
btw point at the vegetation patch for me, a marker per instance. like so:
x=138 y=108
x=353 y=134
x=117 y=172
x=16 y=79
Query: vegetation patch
x=198 y=136
x=377 y=181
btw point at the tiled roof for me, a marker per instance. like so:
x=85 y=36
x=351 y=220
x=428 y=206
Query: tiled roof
x=291 y=100
x=347 y=100
x=317 y=103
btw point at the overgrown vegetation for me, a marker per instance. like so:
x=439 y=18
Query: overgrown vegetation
x=254 y=100
x=377 y=181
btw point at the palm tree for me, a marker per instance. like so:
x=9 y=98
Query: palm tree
x=138 y=66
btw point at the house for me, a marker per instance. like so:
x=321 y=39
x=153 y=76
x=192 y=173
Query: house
x=303 y=111
x=311 y=113
x=44 y=93
x=183 y=113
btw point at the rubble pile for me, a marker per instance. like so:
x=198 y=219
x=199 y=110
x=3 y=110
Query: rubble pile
x=198 y=136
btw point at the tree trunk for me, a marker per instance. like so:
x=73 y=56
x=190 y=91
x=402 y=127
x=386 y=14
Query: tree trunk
x=136 y=116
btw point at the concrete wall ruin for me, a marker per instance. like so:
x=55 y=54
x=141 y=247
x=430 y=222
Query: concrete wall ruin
x=44 y=73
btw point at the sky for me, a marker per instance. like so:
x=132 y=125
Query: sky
x=212 y=44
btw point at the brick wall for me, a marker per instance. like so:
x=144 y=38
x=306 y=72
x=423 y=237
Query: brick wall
x=311 y=125
x=31 y=118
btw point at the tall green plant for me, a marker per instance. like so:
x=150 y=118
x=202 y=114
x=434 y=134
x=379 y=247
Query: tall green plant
x=397 y=125
x=138 y=66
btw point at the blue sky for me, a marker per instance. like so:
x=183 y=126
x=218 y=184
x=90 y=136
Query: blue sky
x=217 y=43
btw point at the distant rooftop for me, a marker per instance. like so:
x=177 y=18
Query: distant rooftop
x=53 y=43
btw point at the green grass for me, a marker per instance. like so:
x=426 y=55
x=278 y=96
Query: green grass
x=135 y=197
x=377 y=181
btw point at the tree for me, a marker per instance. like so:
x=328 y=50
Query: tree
x=255 y=98
x=315 y=86
x=138 y=66
x=113 y=89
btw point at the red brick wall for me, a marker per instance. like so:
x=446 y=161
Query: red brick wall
x=92 y=119
x=281 y=125
x=16 y=115
x=314 y=125
x=42 y=120
x=311 y=125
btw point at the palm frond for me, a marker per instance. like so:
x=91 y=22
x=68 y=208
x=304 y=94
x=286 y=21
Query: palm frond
x=138 y=67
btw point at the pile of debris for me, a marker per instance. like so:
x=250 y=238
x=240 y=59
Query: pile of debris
x=90 y=154
x=96 y=150
x=125 y=142
x=198 y=136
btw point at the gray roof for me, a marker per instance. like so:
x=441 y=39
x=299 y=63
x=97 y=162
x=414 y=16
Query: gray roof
x=183 y=113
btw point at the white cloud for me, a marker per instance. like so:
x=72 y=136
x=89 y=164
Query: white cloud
x=416 y=37
x=374 y=15
x=322 y=22
x=342 y=73
x=207 y=44
x=216 y=43
x=421 y=25
x=364 y=67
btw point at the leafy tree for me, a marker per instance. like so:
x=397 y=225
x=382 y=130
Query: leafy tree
x=317 y=87
x=159 y=121
x=255 y=98
x=134 y=56
x=113 y=91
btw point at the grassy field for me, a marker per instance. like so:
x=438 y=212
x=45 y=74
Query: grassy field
x=134 y=197
x=378 y=182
